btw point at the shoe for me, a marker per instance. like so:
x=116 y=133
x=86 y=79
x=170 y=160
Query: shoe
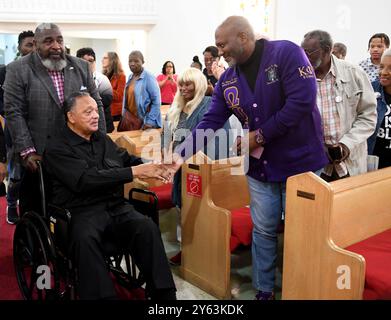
x=176 y=260
x=261 y=295
x=12 y=215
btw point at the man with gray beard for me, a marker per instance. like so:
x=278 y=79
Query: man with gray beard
x=34 y=91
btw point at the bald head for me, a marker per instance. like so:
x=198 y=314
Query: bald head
x=235 y=40
x=236 y=25
x=43 y=29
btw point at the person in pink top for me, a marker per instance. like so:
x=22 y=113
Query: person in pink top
x=167 y=82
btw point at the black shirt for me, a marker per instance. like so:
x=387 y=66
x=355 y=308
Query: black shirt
x=87 y=173
x=383 y=140
x=251 y=67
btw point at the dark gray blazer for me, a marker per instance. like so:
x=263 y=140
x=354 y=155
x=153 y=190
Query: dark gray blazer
x=32 y=108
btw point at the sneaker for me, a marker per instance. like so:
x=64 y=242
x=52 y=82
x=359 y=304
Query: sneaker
x=176 y=260
x=12 y=215
x=261 y=295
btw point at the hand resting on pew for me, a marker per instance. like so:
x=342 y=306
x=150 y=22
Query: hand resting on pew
x=152 y=170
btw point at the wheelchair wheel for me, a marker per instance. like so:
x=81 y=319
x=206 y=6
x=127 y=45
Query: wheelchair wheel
x=34 y=260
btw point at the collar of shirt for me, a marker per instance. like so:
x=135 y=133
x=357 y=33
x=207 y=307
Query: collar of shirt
x=75 y=139
x=332 y=71
x=256 y=56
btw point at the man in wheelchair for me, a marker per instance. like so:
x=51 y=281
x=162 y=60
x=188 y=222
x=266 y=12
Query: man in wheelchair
x=87 y=172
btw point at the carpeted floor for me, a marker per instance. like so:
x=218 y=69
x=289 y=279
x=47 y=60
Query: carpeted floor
x=9 y=288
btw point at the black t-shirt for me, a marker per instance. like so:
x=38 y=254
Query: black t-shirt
x=251 y=67
x=383 y=140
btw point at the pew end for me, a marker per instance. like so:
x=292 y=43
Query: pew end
x=209 y=193
x=321 y=221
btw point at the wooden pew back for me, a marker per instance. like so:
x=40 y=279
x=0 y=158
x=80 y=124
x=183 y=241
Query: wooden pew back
x=209 y=192
x=321 y=220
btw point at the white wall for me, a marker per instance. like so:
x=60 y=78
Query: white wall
x=349 y=21
x=184 y=29
x=8 y=47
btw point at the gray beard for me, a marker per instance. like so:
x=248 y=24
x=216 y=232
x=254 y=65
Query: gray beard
x=54 y=65
x=232 y=63
x=317 y=64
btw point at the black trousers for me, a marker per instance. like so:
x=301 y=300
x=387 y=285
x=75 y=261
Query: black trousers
x=130 y=230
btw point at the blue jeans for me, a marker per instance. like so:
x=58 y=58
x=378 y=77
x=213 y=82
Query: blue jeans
x=267 y=205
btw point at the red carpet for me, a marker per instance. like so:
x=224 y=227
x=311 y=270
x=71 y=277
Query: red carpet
x=8 y=285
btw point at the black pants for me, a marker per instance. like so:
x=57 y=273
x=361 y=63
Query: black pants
x=131 y=230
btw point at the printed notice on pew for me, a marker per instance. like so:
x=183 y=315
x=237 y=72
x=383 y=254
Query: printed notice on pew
x=194 y=185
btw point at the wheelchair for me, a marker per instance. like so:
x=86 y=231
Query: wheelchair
x=43 y=268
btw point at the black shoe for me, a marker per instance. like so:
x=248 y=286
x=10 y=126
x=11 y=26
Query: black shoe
x=12 y=215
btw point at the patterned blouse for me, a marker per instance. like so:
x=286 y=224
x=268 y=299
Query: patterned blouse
x=372 y=70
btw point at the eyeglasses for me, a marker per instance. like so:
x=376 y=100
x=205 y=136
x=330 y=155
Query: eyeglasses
x=310 y=53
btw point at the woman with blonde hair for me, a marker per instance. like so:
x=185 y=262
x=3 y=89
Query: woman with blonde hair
x=186 y=112
x=112 y=69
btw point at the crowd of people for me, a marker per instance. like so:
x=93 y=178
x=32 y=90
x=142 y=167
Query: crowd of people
x=300 y=108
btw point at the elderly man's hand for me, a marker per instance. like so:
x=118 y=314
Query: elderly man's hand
x=31 y=161
x=3 y=171
x=152 y=170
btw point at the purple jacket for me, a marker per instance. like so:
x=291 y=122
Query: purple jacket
x=283 y=106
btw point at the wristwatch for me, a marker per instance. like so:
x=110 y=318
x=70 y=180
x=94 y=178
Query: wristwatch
x=259 y=138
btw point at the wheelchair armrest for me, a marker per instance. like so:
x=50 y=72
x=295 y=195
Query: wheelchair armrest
x=60 y=221
x=145 y=202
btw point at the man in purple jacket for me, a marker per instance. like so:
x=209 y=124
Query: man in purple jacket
x=270 y=86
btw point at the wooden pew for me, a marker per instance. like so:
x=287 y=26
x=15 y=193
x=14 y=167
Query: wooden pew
x=321 y=221
x=163 y=110
x=115 y=124
x=209 y=193
x=130 y=145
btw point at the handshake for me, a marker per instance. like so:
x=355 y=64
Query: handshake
x=157 y=170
